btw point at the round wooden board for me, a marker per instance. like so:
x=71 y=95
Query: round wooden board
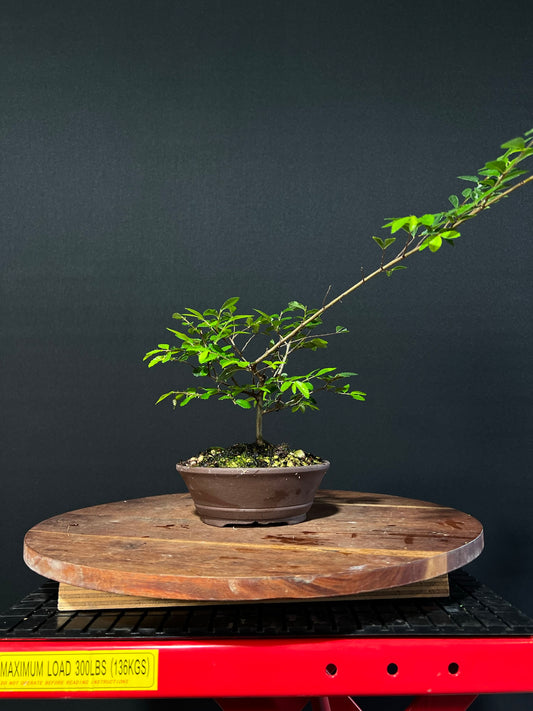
x=158 y=547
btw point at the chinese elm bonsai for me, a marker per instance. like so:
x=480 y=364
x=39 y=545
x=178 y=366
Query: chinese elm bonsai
x=244 y=358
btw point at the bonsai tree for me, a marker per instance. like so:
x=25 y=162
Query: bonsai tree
x=245 y=358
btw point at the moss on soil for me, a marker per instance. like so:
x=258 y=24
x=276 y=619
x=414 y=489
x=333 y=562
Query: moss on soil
x=253 y=455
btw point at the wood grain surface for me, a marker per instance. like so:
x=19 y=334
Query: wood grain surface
x=157 y=547
x=71 y=597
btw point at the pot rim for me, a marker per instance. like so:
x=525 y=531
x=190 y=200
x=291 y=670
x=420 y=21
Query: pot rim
x=228 y=471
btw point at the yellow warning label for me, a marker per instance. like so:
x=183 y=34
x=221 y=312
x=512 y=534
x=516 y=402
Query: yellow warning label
x=79 y=670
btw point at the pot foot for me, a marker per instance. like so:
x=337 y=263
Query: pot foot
x=220 y=522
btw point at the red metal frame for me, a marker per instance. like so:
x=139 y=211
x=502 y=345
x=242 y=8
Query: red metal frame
x=443 y=674
x=342 y=703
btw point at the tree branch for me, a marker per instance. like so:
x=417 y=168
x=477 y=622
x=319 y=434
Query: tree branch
x=404 y=254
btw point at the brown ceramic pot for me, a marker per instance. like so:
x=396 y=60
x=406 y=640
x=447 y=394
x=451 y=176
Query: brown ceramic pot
x=225 y=496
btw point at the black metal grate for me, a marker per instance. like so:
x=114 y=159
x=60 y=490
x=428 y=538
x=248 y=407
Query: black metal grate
x=472 y=610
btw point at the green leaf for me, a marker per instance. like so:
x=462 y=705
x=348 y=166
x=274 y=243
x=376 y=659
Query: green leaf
x=150 y=353
x=164 y=346
x=345 y=375
x=515 y=144
x=154 y=361
x=230 y=304
x=454 y=200
x=163 y=397
x=413 y=223
x=225 y=362
x=296 y=305
x=180 y=335
x=187 y=400
x=435 y=243
x=464 y=209
x=304 y=388
x=265 y=318
x=513 y=174
x=497 y=165
x=467 y=192
x=449 y=234
x=245 y=404
x=384 y=243
x=340 y=329
x=427 y=220
x=323 y=371
x=195 y=313
x=315 y=343
x=396 y=225
x=472 y=178
x=395 y=269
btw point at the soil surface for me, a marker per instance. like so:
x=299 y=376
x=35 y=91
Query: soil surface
x=253 y=455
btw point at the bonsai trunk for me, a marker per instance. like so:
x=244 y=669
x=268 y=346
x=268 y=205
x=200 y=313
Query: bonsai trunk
x=259 y=422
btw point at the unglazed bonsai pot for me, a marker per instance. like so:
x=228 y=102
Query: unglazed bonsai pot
x=231 y=496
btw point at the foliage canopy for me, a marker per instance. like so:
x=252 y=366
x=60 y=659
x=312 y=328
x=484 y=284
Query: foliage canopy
x=216 y=343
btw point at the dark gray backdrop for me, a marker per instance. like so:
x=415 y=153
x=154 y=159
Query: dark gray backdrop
x=163 y=154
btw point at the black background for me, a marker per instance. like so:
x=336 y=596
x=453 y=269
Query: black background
x=163 y=154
